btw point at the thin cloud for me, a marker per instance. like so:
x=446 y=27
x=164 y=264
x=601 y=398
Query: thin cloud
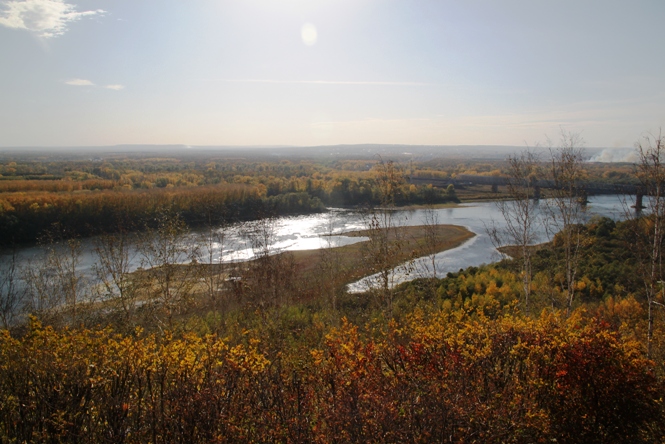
x=317 y=82
x=86 y=82
x=46 y=18
x=79 y=82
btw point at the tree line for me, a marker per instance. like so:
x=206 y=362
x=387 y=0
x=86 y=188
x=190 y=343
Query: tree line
x=27 y=217
x=88 y=204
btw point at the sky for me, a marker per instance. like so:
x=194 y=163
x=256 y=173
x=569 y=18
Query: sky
x=324 y=72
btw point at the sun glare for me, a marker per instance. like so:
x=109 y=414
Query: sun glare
x=309 y=34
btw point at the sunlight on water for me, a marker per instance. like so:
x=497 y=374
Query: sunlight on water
x=479 y=249
x=316 y=231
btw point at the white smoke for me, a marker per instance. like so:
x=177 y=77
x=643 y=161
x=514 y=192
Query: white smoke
x=615 y=155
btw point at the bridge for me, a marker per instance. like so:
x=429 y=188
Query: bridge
x=463 y=180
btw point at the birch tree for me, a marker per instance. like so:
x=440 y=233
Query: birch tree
x=167 y=255
x=385 y=239
x=55 y=283
x=565 y=211
x=651 y=226
x=520 y=213
x=117 y=257
x=11 y=292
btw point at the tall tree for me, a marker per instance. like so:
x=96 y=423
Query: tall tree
x=520 y=213
x=384 y=236
x=116 y=259
x=566 y=207
x=651 y=226
x=55 y=283
x=330 y=264
x=212 y=238
x=166 y=253
x=431 y=240
x=11 y=291
x=268 y=279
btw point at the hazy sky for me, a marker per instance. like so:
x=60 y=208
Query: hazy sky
x=312 y=72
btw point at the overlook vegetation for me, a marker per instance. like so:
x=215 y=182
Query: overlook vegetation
x=562 y=342
x=455 y=357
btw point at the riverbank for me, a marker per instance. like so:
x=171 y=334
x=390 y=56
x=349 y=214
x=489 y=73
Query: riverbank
x=302 y=275
x=415 y=241
x=515 y=251
x=294 y=234
x=432 y=206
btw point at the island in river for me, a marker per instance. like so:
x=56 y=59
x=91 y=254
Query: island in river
x=349 y=263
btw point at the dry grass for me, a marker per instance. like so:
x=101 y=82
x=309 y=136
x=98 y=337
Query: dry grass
x=352 y=266
x=311 y=275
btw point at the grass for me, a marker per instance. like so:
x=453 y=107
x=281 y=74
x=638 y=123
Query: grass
x=352 y=265
x=314 y=275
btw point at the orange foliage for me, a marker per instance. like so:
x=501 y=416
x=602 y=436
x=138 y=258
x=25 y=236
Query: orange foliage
x=453 y=377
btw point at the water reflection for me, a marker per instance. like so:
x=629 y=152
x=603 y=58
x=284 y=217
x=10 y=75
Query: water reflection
x=323 y=230
x=479 y=249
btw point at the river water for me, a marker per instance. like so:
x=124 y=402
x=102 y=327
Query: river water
x=314 y=232
x=478 y=250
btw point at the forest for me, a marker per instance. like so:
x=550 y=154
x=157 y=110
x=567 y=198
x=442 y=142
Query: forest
x=97 y=196
x=89 y=195
x=561 y=341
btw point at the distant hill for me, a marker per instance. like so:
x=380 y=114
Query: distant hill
x=361 y=151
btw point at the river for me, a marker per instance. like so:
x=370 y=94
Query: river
x=313 y=232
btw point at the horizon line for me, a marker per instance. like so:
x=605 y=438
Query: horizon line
x=319 y=82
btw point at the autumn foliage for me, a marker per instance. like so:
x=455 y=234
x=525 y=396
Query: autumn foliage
x=90 y=197
x=453 y=376
x=447 y=360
